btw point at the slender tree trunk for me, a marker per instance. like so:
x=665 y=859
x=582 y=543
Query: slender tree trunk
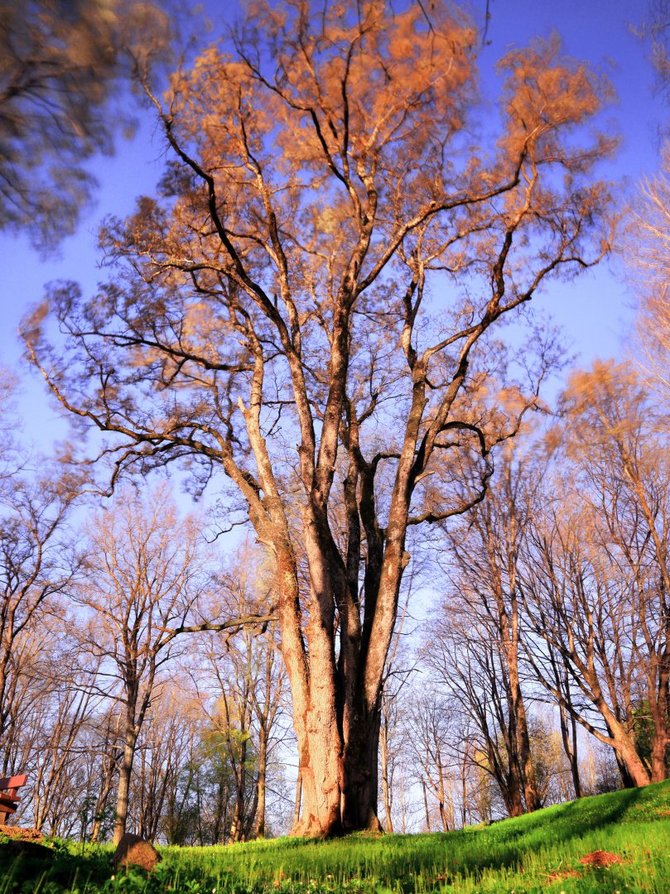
x=125 y=771
x=425 y=804
x=527 y=770
x=261 y=780
x=386 y=776
x=102 y=799
x=237 y=827
x=569 y=740
x=297 y=806
x=444 y=818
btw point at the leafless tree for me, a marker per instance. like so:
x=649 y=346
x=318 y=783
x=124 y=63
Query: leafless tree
x=38 y=566
x=142 y=585
x=311 y=310
x=605 y=565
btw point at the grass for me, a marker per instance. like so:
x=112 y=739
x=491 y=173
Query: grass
x=540 y=852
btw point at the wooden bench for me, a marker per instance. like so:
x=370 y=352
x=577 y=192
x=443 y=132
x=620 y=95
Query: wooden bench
x=9 y=786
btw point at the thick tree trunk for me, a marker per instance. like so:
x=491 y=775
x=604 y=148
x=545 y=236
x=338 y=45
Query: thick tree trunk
x=360 y=792
x=632 y=769
x=511 y=792
x=661 y=738
x=659 y=758
x=339 y=777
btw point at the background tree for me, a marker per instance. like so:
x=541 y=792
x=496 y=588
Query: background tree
x=648 y=256
x=142 y=584
x=38 y=565
x=61 y=64
x=619 y=439
x=483 y=556
x=328 y=264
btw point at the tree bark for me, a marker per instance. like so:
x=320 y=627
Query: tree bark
x=384 y=762
x=125 y=771
x=261 y=782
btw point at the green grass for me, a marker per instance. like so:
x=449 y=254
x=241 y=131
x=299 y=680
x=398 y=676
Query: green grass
x=535 y=853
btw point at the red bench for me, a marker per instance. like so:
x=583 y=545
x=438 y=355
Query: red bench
x=9 y=785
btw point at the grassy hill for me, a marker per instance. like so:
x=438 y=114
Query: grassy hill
x=609 y=843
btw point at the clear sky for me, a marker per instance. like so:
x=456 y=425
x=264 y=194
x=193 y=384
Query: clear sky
x=595 y=312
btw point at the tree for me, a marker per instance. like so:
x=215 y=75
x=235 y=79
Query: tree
x=482 y=651
x=585 y=625
x=596 y=577
x=38 y=565
x=142 y=586
x=61 y=63
x=649 y=244
x=250 y=689
x=310 y=309
x=431 y=724
x=618 y=440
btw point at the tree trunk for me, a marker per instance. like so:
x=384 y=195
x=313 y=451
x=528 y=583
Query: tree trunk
x=297 y=807
x=339 y=780
x=103 y=798
x=569 y=740
x=661 y=736
x=125 y=771
x=659 y=763
x=384 y=760
x=425 y=804
x=360 y=790
x=238 y=825
x=261 y=779
x=511 y=792
x=632 y=769
x=527 y=770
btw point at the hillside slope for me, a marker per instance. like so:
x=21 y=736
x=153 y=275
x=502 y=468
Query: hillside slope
x=610 y=843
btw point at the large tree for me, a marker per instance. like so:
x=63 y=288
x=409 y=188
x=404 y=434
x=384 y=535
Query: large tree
x=310 y=306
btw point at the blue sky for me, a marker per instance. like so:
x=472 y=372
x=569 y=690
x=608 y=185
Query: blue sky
x=595 y=312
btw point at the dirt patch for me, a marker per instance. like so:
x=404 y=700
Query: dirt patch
x=600 y=858
x=16 y=832
x=134 y=851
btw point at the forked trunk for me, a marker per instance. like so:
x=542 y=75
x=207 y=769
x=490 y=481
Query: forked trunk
x=360 y=789
x=338 y=778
